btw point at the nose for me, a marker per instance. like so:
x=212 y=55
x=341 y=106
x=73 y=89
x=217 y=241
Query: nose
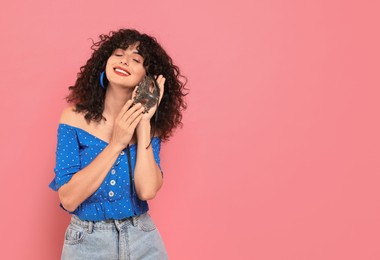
x=124 y=60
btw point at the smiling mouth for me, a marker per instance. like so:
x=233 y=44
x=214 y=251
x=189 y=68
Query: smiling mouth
x=121 y=71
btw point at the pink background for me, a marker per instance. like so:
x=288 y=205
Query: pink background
x=279 y=154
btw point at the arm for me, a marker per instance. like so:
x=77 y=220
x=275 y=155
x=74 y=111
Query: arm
x=148 y=176
x=86 y=181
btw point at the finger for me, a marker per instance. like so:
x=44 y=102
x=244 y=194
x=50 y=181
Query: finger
x=134 y=93
x=136 y=121
x=161 y=80
x=158 y=77
x=125 y=108
x=133 y=116
x=162 y=87
x=130 y=111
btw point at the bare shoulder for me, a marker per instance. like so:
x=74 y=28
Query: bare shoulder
x=70 y=117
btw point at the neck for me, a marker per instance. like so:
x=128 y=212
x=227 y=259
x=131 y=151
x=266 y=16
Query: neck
x=115 y=99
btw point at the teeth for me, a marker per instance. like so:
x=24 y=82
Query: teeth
x=122 y=71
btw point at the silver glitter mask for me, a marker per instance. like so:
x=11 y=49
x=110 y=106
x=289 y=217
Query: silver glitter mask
x=147 y=93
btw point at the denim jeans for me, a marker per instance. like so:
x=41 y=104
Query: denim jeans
x=132 y=238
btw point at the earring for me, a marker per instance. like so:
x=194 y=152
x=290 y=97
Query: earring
x=102 y=79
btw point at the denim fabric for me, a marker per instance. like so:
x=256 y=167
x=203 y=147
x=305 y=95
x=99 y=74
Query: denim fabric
x=131 y=238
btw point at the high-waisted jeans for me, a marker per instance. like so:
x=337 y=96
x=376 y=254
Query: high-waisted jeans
x=132 y=238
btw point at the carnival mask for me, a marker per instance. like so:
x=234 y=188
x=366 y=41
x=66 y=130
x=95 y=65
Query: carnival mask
x=147 y=93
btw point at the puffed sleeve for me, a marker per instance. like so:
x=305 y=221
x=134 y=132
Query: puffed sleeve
x=156 y=147
x=67 y=156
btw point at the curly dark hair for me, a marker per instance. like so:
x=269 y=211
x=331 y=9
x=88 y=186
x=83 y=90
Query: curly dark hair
x=88 y=96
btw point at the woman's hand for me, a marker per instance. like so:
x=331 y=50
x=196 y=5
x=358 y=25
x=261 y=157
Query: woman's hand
x=125 y=124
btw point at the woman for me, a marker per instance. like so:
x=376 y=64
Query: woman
x=107 y=158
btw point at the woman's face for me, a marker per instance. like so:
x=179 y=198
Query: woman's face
x=125 y=67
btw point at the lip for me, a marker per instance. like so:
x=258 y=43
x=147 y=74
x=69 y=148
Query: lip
x=120 y=73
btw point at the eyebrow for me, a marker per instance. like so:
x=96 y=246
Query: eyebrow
x=137 y=52
x=134 y=51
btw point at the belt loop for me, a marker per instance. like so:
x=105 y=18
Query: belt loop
x=90 y=226
x=134 y=221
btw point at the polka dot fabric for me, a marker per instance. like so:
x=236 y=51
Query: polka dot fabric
x=76 y=148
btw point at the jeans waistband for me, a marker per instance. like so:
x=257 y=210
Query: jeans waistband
x=110 y=224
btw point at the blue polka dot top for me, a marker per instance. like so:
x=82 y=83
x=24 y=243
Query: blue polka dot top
x=76 y=148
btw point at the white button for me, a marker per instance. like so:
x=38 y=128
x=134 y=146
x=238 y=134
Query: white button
x=122 y=153
x=113 y=171
x=112 y=182
x=111 y=193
